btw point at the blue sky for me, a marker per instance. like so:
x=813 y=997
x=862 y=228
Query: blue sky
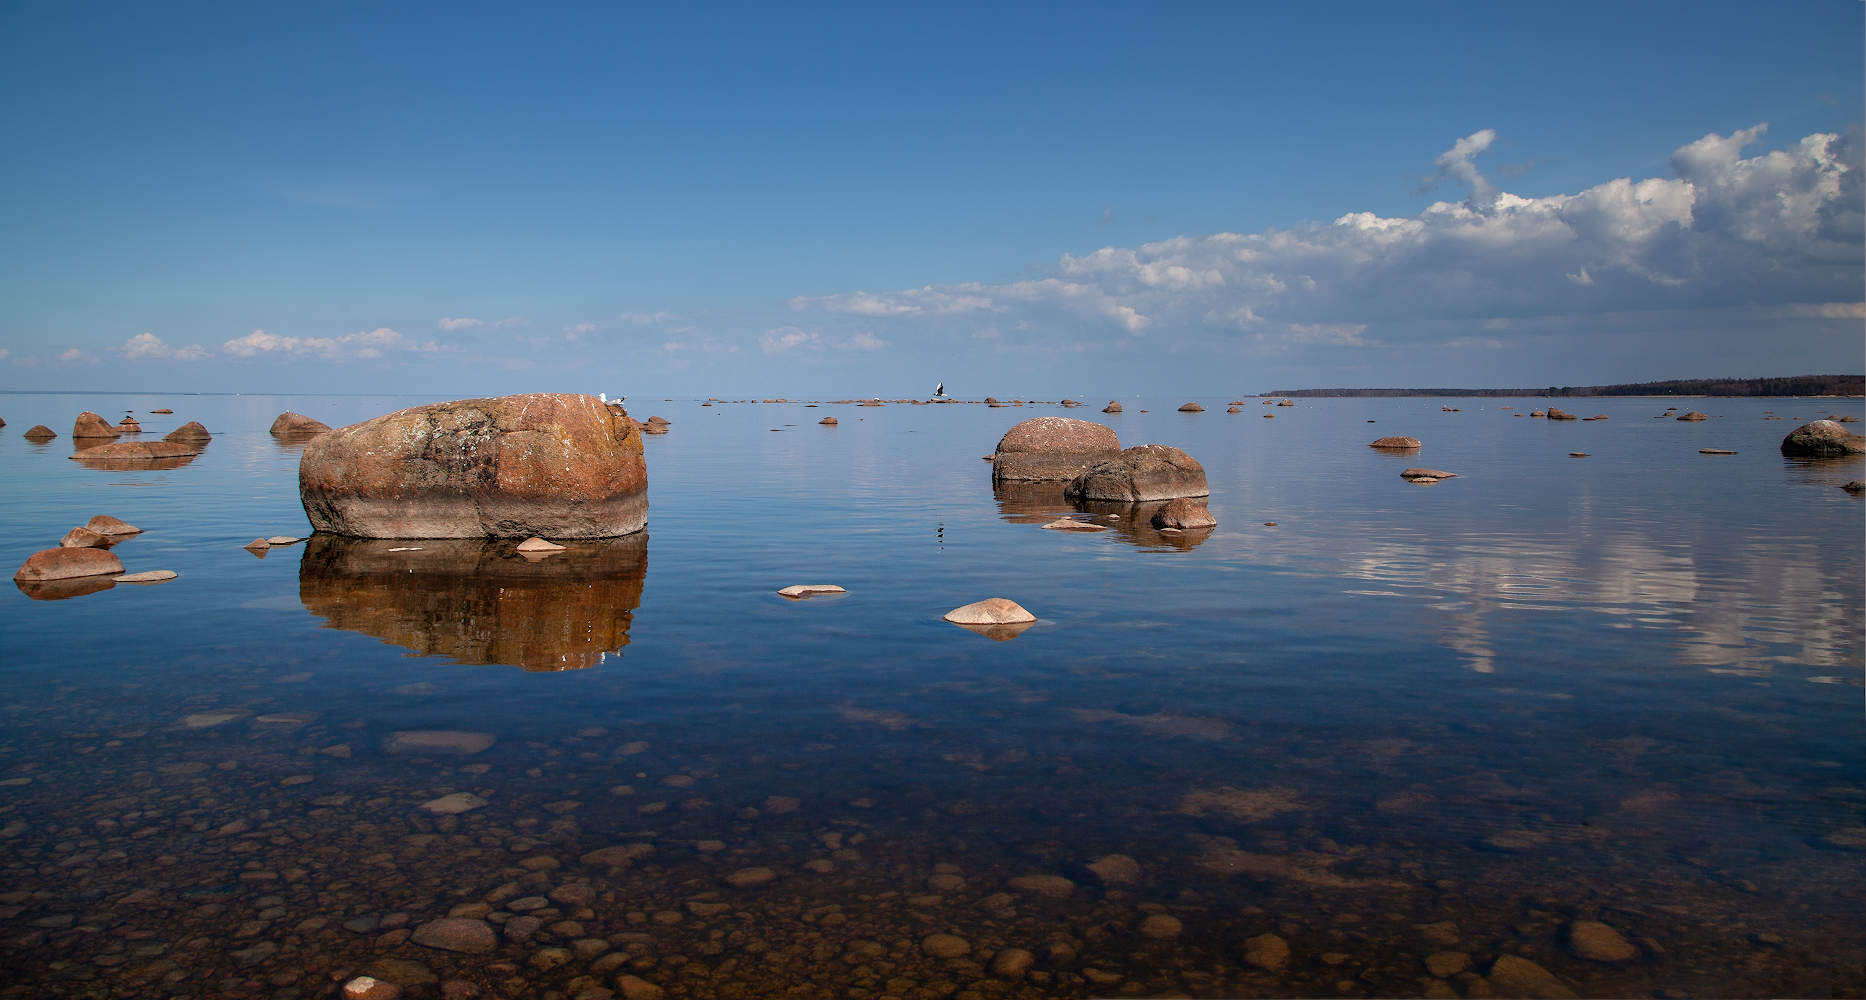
x=850 y=199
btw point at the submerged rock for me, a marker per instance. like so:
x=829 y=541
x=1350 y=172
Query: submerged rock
x=990 y=611
x=1047 y=886
x=547 y=464
x=1052 y=448
x=456 y=934
x=437 y=741
x=1183 y=513
x=1116 y=869
x=189 y=433
x=68 y=564
x=1822 y=439
x=1519 y=977
x=90 y=425
x=297 y=425
x=1145 y=472
x=450 y=805
x=1597 y=942
x=1267 y=952
x=1395 y=443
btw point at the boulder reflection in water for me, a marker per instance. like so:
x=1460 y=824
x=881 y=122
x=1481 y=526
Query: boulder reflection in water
x=479 y=601
x=1040 y=503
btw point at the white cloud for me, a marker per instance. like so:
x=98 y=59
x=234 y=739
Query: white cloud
x=74 y=354
x=459 y=324
x=4 y=354
x=579 y=331
x=866 y=341
x=149 y=346
x=640 y=319
x=1340 y=334
x=1829 y=310
x=366 y=344
x=1772 y=230
x=786 y=337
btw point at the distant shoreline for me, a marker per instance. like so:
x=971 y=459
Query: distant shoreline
x=1798 y=386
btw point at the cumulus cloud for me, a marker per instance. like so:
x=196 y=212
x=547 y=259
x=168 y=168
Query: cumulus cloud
x=1771 y=230
x=866 y=341
x=367 y=344
x=579 y=331
x=148 y=346
x=785 y=338
x=74 y=354
x=459 y=324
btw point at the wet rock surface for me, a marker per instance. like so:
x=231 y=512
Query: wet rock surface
x=90 y=425
x=554 y=465
x=297 y=425
x=68 y=563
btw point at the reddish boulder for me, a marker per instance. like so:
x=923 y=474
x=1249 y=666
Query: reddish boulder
x=1396 y=443
x=66 y=564
x=1183 y=513
x=1052 y=448
x=1145 y=472
x=1114 y=406
x=83 y=538
x=104 y=524
x=40 y=432
x=1192 y=408
x=1693 y=416
x=136 y=451
x=1821 y=439
x=189 y=433
x=555 y=465
x=1555 y=414
x=297 y=425
x=90 y=425
x=1427 y=474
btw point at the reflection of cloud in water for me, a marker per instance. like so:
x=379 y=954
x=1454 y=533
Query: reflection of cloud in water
x=1767 y=593
x=479 y=601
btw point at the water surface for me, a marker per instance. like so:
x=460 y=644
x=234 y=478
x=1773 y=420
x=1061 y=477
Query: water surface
x=1407 y=730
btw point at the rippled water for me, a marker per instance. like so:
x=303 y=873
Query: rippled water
x=1412 y=732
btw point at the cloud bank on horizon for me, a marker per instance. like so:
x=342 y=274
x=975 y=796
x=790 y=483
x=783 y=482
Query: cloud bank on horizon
x=1731 y=242
x=1781 y=230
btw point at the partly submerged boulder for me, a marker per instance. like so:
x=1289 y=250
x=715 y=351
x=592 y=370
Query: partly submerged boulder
x=297 y=425
x=555 y=465
x=1395 y=443
x=136 y=451
x=1822 y=439
x=1052 y=448
x=1427 y=474
x=1183 y=513
x=104 y=524
x=1555 y=414
x=1114 y=406
x=1693 y=415
x=40 y=432
x=189 y=433
x=90 y=425
x=1192 y=408
x=67 y=564
x=1145 y=472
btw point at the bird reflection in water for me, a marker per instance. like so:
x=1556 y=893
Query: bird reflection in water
x=479 y=601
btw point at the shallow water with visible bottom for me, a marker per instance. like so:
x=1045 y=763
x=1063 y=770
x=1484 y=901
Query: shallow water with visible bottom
x=1558 y=726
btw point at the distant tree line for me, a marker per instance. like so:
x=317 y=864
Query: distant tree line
x=1796 y=385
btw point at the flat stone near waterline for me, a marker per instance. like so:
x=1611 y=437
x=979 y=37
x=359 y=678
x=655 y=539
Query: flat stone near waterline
x=1067 y=524
x=283 y=540
x=535 y=544
x=798 y=592
x=148 y=576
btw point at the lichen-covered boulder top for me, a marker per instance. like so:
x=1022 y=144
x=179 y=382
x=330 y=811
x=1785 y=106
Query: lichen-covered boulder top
x=553 y=465
x=1144 y=472
x=1821 y=439
x=1052 y=448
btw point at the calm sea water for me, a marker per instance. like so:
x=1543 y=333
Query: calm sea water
x=1389 y=746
